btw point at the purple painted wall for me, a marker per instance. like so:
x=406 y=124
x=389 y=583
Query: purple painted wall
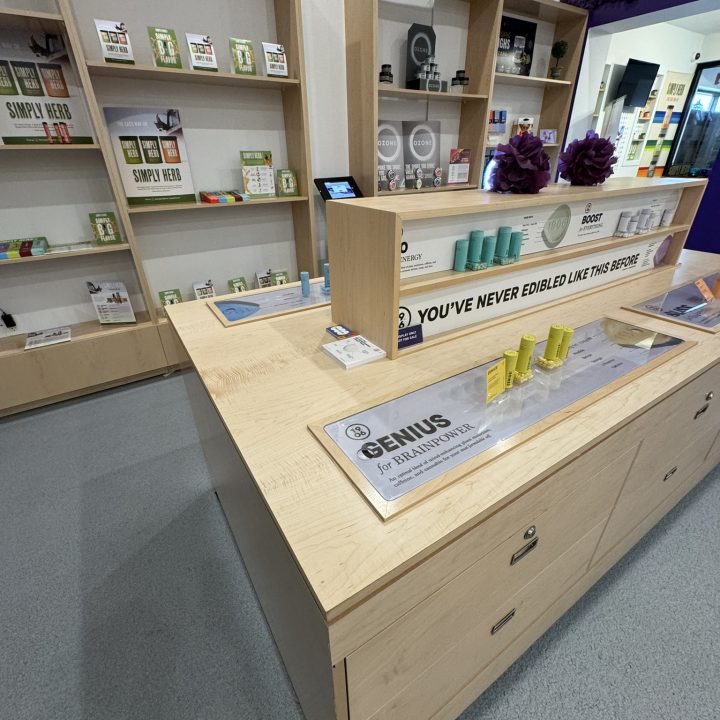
x=607 y=11
x=705 y=232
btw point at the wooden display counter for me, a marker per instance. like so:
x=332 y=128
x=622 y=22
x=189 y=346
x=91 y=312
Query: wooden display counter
x=414 y=616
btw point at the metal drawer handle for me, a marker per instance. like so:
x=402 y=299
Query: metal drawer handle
x=523 y=551
x=502 y=623
x=701 y=410
x=670 y=473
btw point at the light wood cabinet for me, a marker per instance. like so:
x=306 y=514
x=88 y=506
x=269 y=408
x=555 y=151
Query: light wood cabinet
x=382 y=667
x=412 y=617
x=450 y=670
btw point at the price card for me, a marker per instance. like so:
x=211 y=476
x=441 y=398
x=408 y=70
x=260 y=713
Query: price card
x=706 y=292
x=495 y=381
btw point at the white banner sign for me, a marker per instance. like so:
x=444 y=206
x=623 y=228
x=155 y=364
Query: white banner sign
x=448 y=309
x=429 y=245
x=40 y=98
x=151 y=155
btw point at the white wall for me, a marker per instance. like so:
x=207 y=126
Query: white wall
x=711 y=48
x=668 y=45
x=324 y=33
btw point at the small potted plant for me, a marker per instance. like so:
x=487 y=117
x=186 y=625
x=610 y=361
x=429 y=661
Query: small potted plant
x=559 y=51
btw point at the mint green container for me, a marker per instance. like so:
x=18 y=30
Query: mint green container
x=476 y=243
x=516 y=240
x=461 y=254
x=502 y=249
x=488 y=250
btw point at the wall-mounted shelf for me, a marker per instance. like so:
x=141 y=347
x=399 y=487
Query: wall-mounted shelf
x=529 y=81
x=148 y=72
x=15 y=344
x=101 y=250
x=547 y=10
x=172 y=207
x=13 y=18
x=392 y=91
x=55 y=147
x=450 y=278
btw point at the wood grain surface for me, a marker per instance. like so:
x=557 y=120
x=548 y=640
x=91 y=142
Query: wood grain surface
x=269 y=380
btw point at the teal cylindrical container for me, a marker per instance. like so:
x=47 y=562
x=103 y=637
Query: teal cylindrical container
x=516 y=240
x=502 y=249
x=461 y=254
x=476 y=243
x=488 y=250
x=305 y=283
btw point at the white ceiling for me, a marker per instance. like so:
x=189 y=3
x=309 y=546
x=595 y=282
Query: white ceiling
x=704 y=23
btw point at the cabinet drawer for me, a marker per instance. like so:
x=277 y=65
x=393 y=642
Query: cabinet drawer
x=694 y=408
x=602 y=464
x=454 y=665
x=386 y=663
x=663 y=463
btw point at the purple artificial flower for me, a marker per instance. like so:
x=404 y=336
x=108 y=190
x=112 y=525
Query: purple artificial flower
x=522 y=166
x=588 y=161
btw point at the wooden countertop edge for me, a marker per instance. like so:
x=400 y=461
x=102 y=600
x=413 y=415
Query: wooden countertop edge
x=464 y=202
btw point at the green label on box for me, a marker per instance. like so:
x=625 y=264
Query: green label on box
x=165 y=49
x=105 y=228
x=243 y=56
x=238 y=284
x=286 y=183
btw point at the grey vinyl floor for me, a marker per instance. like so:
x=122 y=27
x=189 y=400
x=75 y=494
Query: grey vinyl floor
x=122 y=594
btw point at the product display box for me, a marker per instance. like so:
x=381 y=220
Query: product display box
x=420 y=47
x=421 y=153
x=515 y=46
x=391 y=166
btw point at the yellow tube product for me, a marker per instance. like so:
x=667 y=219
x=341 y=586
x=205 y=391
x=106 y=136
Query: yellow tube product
x=568 y=333
x=511 y=357
x=525 y=353
x=555 y=337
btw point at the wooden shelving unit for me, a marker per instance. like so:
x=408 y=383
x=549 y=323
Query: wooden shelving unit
x=570 y=24
x=102 y=356
x=370 y=297
x=365 y=95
